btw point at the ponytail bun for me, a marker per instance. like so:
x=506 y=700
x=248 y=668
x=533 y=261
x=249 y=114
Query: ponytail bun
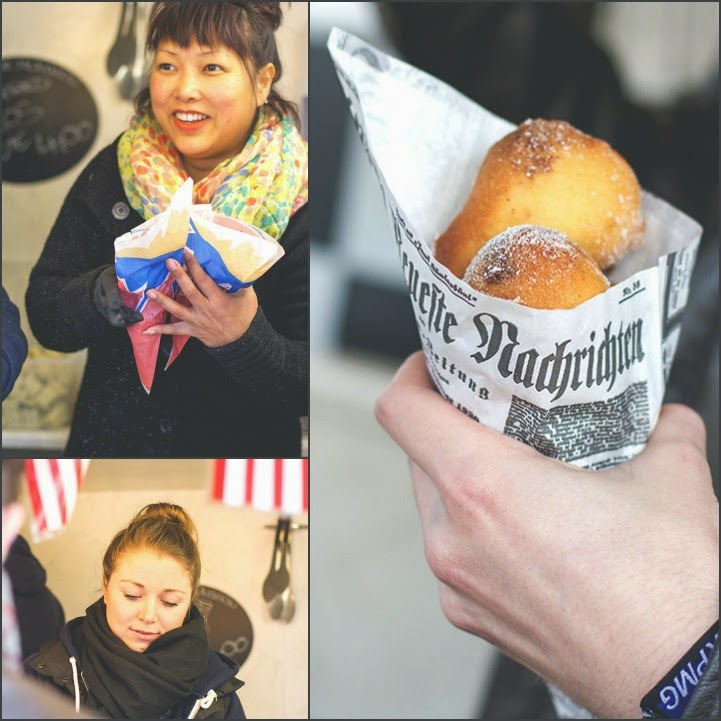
x=168 y=513
x=269 y=12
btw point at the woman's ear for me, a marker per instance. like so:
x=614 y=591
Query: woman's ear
x=263 y=82
x=105 y=590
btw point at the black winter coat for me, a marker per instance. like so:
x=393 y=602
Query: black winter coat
x=244 y=399
x=51 y=665
x=40 y=614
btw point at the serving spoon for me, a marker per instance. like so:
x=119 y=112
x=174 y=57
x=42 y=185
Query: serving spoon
x=123 y=51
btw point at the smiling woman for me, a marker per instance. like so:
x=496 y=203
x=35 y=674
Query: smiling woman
x=211 y=113
x=207 y=130
x=142 y=650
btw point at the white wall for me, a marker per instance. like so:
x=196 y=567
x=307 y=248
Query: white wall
x=236 y=551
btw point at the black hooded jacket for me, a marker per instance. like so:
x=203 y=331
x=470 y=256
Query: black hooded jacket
x=214 y=694
x=40 y=614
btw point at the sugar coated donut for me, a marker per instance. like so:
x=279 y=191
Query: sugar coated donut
x=550 y=174
x=537 y=267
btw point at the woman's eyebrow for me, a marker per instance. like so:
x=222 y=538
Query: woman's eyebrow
x=140 y=585
x=209 y=51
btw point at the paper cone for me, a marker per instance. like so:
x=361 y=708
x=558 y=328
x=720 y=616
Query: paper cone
x=179 y=341
x=584 y=385
x=145 y=347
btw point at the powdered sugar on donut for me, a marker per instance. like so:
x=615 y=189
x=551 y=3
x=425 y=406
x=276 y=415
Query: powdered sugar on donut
x=536 y=266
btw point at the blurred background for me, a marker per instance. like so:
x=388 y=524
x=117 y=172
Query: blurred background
x=57 y=114
x=644 y=77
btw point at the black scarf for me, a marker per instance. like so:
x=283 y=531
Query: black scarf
x=130 y=684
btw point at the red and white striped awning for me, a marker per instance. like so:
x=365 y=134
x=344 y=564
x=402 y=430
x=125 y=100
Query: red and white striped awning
x=53 y=485
x=266 y=484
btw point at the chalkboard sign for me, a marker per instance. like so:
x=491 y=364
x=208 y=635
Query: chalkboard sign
x=229 y=627
x=49 y=120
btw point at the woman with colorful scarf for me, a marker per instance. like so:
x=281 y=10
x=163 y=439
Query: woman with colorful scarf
x=141 y=651
x=211 y=113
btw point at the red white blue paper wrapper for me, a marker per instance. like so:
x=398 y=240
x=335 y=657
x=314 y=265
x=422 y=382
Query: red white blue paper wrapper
x=583 y=385
x=233 y=253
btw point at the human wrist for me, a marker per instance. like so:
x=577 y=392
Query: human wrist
x=626 y=662
x=672 y=693
x=674 y=639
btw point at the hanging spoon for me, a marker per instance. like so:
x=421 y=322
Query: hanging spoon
x=281 y=578
x=123 y=50
x=128 y=82
x=269 y=583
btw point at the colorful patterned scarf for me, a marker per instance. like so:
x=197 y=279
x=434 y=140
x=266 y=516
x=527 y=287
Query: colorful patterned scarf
x=263 y=185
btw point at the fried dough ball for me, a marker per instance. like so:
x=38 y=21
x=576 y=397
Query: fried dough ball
x=548 y=173
x=537 y=267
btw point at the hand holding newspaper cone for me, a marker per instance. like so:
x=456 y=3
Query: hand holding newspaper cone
x=501 y=521
x=582 y=384
x=580 y=379
x=226 y=254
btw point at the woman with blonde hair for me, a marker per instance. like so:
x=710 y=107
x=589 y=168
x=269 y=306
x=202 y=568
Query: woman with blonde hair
x=141 y=650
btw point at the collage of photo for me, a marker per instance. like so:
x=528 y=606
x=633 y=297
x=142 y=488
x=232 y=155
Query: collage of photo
x=444 y=446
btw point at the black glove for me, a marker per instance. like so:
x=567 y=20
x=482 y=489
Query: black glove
x=107 y=300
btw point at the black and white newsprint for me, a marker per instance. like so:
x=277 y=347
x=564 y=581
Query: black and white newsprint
x=583 y=385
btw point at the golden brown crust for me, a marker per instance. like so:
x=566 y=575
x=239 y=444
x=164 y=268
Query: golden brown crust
x=548 y=173
x=537 y=267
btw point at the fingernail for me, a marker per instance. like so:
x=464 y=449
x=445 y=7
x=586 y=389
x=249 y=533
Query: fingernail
x=172 y=264
x=151 y=294
x=149 y=331
x=187 y=254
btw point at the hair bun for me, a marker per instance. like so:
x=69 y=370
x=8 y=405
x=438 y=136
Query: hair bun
x=270 y=12
x=169 y=513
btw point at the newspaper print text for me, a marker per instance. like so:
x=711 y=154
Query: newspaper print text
x=607 y=356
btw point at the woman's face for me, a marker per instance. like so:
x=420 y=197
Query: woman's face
x=147 y=595
x=205 y=101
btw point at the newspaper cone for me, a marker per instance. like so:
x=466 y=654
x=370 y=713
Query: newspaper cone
x=583 y=385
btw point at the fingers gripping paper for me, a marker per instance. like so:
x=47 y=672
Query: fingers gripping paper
x=234 y=254
x=584 y=385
